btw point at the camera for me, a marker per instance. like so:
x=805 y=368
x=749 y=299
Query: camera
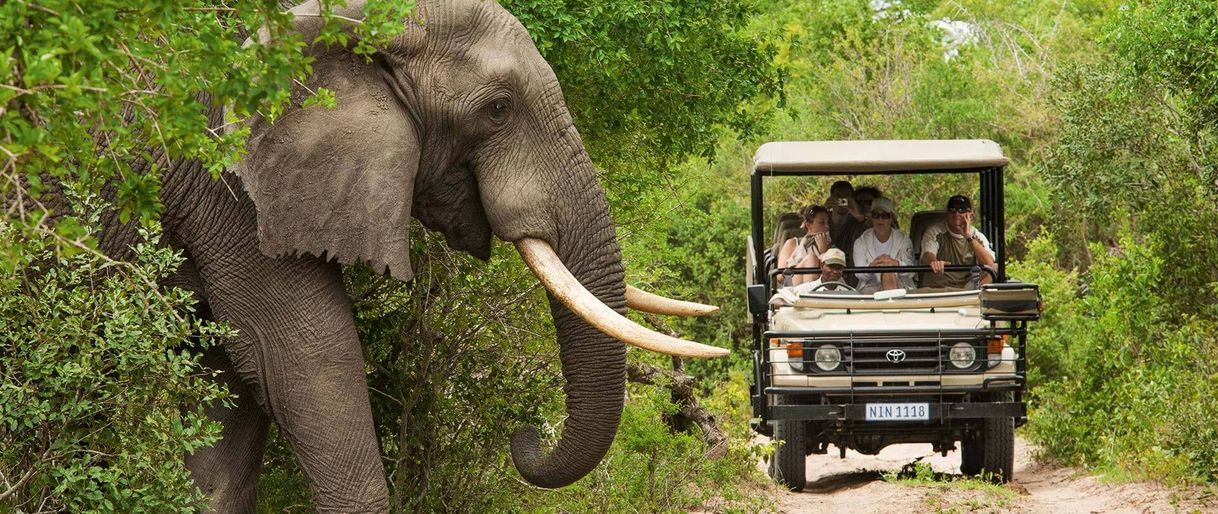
x=842 y=202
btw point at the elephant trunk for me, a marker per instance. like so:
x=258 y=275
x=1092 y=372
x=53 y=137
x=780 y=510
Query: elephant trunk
x=593 y=363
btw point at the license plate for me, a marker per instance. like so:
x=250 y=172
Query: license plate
x=897 y=411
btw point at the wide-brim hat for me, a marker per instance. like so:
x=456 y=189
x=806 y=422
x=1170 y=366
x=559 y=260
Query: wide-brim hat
x=884 y=205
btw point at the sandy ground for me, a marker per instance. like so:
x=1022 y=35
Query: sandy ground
x=855 y=484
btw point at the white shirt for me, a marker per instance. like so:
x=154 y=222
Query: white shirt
x=867 y=247
x=930 y=239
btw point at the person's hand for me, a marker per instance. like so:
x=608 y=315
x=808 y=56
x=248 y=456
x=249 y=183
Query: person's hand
x=854 y=208
x=821 y=239
x=885 y=260
x=937 y=266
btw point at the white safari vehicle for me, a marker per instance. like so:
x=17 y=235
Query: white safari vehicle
x=863 y=371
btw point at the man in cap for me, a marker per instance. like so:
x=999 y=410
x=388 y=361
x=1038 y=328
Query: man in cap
x=955 y=242
x=832 y=262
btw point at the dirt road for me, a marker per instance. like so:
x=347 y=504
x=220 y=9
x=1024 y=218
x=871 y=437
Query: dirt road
x=856 y=484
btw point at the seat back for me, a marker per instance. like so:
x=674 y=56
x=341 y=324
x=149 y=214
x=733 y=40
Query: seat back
x=918 y=224
x=787 y=225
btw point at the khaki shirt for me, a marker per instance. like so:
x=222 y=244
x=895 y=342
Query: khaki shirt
x=952 y=248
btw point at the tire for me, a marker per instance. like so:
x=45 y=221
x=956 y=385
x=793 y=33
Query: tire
x=789 y=465
x=998 y=458
x=972 y=452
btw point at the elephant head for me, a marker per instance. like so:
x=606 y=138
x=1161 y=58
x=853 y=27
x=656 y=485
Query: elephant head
x=460 y=123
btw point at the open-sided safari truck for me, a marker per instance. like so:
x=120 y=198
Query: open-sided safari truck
x=866 y=371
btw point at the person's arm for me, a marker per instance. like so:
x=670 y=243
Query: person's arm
x=889 y=281
x=981 y=248
x=905 y=256
x=862 y=256
x=809 y=261
x=784 y=255
x=930 y=249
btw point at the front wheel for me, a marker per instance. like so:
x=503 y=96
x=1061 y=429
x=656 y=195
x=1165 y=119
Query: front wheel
x=998 y=435
x=788 y=467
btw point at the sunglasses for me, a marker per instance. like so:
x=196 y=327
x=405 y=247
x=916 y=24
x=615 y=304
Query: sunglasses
x=881 y=215
x=959 y=210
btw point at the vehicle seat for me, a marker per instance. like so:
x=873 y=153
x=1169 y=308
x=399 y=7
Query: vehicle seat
x=788 y=225
x=918 y=224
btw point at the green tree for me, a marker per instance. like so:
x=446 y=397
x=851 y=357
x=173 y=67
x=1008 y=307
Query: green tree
x=100 y=383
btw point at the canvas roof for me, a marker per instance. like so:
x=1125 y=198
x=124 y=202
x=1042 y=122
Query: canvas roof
x=878 y=156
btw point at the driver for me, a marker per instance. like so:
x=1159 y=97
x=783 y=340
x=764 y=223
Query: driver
x=832 y=262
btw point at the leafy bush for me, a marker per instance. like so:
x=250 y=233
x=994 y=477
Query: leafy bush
x=1121 y=382
x=93 y=379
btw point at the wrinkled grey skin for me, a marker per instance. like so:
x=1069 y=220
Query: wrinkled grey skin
x=461 y=124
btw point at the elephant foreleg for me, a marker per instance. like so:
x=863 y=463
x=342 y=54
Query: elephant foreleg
x=228 y=471
x=298 y=350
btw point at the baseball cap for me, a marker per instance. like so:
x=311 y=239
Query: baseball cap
x=959 y=202
x=883 y=205
x=833 y=256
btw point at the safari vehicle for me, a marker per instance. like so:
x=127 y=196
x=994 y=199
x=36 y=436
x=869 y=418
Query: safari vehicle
x=865 y=371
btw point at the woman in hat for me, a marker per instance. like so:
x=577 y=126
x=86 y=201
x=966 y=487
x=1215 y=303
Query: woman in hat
x=804 y=252
x=883 y=245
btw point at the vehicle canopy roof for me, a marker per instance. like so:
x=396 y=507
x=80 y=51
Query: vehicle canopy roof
x=878 y=156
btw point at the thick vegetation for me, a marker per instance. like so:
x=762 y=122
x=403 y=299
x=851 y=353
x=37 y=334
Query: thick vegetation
x=1106 y=108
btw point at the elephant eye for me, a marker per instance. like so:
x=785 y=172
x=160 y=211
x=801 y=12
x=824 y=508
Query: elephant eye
x=499 y=109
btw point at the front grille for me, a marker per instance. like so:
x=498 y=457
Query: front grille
x=909 y=355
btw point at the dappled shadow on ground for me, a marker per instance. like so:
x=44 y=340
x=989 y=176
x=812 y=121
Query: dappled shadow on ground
x=836 y=482
x=829 y=484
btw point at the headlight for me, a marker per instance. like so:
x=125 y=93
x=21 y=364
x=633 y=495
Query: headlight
x=962 y=355
x=828 y=357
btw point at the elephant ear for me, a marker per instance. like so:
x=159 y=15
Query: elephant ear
x=337 y=183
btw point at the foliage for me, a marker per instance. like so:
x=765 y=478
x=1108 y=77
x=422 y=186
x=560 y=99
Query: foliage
x=1128 y=390
x=649 y=83
x=93 y=376
x=651 y=469
x=97 y=362
x=1127 y=382
x=87 y=89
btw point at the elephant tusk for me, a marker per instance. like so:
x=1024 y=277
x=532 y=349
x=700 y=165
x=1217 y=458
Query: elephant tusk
x=641 y=300
x=559 y=281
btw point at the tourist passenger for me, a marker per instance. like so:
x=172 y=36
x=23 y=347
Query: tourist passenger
x=883 y=245
x=863 y=196
x=844 y=226
x=833 y=261
x=804 y=252
x=955 y=242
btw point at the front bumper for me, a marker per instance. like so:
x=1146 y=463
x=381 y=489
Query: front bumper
x=937 y=411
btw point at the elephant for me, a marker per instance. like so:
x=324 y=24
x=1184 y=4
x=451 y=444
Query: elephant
x=460 y=123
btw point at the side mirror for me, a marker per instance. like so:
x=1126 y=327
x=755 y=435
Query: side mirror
x=757 y=300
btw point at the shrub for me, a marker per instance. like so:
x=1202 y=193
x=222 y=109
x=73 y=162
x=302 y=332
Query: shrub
x=93 y=379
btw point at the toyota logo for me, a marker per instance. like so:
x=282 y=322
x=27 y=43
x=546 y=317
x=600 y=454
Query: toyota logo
x=895 y=356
